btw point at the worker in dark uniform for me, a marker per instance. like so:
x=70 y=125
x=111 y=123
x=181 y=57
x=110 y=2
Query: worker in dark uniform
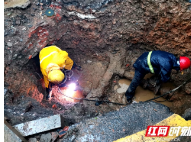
x=159 y=63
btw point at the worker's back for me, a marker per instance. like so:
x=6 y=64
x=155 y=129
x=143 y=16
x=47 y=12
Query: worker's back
x=161 y=61
x=51 y=56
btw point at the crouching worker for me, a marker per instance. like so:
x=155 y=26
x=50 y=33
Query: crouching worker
x=159 y=63
x=52 y=62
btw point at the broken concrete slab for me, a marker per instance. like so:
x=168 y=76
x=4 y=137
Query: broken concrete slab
x=45 y=138
x=40 y=125
x=11 y=135
x=32 y=140
x=54 y=136
x=187 y=114
x=16 y=3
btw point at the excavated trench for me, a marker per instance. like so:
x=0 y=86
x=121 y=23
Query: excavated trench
x=93 y=70
x=105 y=38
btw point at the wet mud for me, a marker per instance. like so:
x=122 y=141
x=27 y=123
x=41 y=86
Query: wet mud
x=141 y=94
x=105 y=47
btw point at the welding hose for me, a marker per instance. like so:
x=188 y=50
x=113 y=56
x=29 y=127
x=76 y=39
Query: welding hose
x=97 y=102
x=169 y=91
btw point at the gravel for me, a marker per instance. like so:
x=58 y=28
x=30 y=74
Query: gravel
x=118 y=124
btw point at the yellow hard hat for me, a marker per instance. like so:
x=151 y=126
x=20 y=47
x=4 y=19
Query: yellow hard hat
x=56 y=76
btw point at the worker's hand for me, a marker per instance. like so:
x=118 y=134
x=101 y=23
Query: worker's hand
x=49 y=86
x=158 y=82
x=79 y=68
x=48 y=97
x=49 y=91
x=129 y=96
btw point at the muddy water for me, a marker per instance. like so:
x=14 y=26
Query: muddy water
x=140 y=93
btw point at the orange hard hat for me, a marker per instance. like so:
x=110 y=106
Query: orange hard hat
x=184 y=62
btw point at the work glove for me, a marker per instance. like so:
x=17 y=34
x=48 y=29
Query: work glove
x=75 y=66
x=79 y=68
x=129 y=96
x=157 y=87
x=49 y=92
x=158 y=82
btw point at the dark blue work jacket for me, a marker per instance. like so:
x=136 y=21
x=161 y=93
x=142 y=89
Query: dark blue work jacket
x=161 y=61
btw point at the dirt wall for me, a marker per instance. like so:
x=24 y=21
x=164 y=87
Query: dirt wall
x=86 y=29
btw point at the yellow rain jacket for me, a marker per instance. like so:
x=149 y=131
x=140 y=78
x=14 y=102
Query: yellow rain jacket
x=49 y=56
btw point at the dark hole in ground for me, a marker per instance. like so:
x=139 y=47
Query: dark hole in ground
x=92 y=67
x=40 y=106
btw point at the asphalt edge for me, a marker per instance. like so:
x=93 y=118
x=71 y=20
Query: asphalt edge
x=174 y=120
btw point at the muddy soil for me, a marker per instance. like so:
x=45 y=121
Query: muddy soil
x=120 y=30
x=89 y=77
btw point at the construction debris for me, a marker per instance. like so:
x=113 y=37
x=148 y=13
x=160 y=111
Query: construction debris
x=16 y=3
x=187 y=114
x=45 y=138
x=117 y=124
x=32 y=140
x=28 y=107
x=11 y=135
x=63 y=131
x=40 y=125
x=54 y=136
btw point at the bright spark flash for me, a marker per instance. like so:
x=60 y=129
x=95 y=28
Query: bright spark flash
x=72 y=86
x=70 y=91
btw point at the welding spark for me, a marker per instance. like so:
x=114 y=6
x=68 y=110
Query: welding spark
x=70 y=91
x=72 y=86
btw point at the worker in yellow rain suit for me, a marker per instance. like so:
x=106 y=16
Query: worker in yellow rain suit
x=52 y=61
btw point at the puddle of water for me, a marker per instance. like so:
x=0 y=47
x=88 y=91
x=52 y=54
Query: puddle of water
x=123 y=86
x=140 y=93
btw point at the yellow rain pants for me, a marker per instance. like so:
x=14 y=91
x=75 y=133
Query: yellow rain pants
x=53 y=55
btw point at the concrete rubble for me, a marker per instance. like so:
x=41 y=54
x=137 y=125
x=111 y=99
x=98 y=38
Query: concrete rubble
x=187 y=114
x=16 y=3
x=40 y=125
x=11 y=135
x=54 y=136
x=45 y=138
x=32 y=140
x=95 y=33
